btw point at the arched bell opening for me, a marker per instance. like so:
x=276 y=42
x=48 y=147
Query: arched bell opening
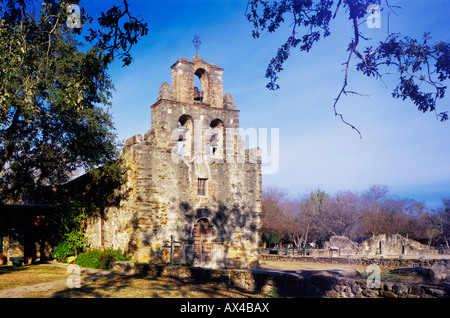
x=185 y=135
x=201 y=86
x=216 y=139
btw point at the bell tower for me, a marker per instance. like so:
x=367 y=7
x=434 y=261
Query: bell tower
x=202 y=114
x=210 y=75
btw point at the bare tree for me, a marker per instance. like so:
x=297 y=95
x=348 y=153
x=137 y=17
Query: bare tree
x=373 y=201
x=274 y=204
x=317 y=216
x=297 y=229
x=446 y=221
x=343 y=213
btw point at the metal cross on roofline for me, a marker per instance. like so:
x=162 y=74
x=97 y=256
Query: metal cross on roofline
x=197 y=43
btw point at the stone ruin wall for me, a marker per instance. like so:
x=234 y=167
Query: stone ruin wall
x=383 y=244
x=395 y=245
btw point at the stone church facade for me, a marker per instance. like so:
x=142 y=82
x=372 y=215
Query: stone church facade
x=190 y=178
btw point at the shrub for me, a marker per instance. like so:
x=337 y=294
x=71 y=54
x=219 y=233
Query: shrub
x=73 y=244
x=62 y=251
x=100 y=257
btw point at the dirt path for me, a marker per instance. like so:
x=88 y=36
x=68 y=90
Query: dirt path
x=37 y=288
x=87 y=274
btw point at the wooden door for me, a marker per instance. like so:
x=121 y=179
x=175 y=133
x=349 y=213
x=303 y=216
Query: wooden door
x=202 y=233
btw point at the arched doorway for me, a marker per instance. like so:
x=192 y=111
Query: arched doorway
x=203 y=233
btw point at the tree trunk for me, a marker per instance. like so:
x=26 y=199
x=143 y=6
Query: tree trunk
x=306 y=236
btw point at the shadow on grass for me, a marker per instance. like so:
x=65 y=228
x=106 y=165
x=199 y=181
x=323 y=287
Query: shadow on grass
x=94 y=286
x=139 y=286
x=7 y=269
x=260 y=283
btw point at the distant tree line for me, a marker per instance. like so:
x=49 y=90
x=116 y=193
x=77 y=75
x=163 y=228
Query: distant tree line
x=317 y=216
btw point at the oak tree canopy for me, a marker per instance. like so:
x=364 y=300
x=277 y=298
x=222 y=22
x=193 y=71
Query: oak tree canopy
x=55 y=90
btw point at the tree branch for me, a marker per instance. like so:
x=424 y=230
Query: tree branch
x=9 y=140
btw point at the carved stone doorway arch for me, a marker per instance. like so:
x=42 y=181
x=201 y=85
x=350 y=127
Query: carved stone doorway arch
x=203 y=232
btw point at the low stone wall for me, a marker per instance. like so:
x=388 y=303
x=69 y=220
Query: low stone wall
x=382 y=262
x=286 y=284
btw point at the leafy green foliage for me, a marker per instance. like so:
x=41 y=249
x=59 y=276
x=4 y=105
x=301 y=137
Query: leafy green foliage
x=72 y=216
x=272 y=237
x=54 y=94
x=100 y=258
x=422 y=68
x=78 y=202
x=70 y=223
x=112 y=174
x=73 y=244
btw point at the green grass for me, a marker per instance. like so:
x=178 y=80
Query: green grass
x=16 y=276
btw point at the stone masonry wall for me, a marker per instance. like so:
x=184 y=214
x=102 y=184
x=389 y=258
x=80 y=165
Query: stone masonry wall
x=385 y=262
x=210 y=76
x=160 y=199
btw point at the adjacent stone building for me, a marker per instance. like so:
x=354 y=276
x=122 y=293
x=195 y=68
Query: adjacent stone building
x=190 y=178
x=382 y=244
x=395 y=244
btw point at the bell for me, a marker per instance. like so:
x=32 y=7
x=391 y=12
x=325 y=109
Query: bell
x=213 y=141
x=181 y=133
x=197 y=94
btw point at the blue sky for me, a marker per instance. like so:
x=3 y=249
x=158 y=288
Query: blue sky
x=400 y=147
